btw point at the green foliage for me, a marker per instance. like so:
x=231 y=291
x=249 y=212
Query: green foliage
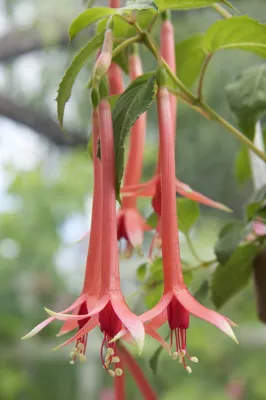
x=247 y=97
x=229 y=278
x=183 y=4
x=140 y=5
x=256 y=206
x=242 y=32
x=188 y=214
x=229 y=238
x=242 y=165
x=134 y=101
x=122 y=29
x=88 y=18
x=65 y=87
x=189 y=59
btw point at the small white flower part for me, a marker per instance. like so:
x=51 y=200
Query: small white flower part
x=118 y=372
x=194 y=359
x=189 y=370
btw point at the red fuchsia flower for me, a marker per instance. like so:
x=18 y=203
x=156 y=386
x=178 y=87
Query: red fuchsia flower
x=91 y=287
x=176 y=304
x=110 y=311
x=130 y=224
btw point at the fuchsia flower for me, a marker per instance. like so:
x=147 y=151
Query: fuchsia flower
x=110 y=310
x=130 y=224
x=176 y=304
x=91 y=286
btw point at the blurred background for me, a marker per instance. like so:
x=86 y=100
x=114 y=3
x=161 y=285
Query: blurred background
x=45 y=202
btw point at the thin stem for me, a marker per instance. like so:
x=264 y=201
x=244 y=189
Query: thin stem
x=224 y=13
x=202 y=74
x=125 y=44
x=192 y=249
x=154 y=18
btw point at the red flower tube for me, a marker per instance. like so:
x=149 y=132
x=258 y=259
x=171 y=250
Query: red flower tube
x=130 y=224
x=91 y=287
x=176 y=304
x=110 y=311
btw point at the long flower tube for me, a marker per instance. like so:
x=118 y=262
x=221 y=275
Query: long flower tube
x=110 y=311
x=92 y=280
x=176 y=304
x=130 y=224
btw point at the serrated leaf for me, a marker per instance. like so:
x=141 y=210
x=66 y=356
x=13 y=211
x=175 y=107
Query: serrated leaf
x=152 y=220
x=242 y=165
x=232 y=277
x=89 y=17
x=243 y=33
x=122 y=29
x=141 y=272
x=229 y=239
x=72 y=72
x=247 y=98
x=189 y=59
x=188 y=214
x=183 y=4
x=134 y=101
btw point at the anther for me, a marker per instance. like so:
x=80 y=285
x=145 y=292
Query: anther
x=110 y=351
x=111 y=373
x=115 y=360
x=175 y=355
x=82 y=358
x=194 y=359
x=118 y=372
x=189 y=370
x=72 y=362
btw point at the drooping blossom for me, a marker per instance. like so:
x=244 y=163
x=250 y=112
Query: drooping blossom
x=110 y=312
x=91 y=287
x=176 y=304
x=130 y=224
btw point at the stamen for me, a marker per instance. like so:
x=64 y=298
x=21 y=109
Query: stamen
x=115 y=360
x=194 y=359
x=175 y=355
x=111 y=372
x=110 y=351
x=189 y=370
x=118 y=372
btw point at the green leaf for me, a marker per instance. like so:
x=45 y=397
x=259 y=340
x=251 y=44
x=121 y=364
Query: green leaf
x=71 y=74
x=183 y=4
x=135 y=100
x=243 y=33
x=122 y=59
x=247 y=97
x=153 y=295
x=153 y=362
x=188 y=277
x=113 y=99
x=230 y=278
x=189 y=59
x=141 y=272
x=202 y=292
x=229 y=238
x=89 y=147
x=188 y=214
x=257 y=205
x=156 y=271
x=152 y=220
x=242 y=165
x=140 y=5
x=122 y=29
x=89 y=17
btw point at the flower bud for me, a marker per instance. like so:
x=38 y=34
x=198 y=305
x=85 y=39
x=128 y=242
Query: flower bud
x=103 y=62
